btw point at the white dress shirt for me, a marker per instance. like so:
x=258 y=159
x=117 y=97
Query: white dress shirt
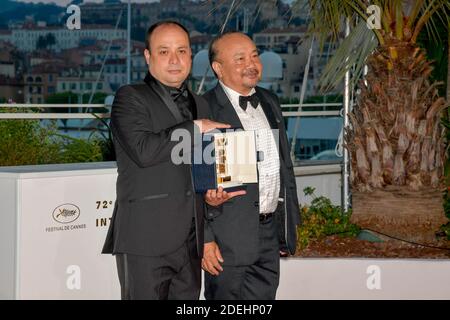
x=269 y=167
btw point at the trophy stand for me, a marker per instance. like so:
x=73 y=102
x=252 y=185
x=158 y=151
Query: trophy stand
x=221 y=160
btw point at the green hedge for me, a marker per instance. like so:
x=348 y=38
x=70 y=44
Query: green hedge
x=322 y=219
x=27 y=142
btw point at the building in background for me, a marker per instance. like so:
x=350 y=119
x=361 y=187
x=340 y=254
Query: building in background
x=98 y=43
x=40 y=81
x=11 y=90
x=29 y=37
x=86 y=80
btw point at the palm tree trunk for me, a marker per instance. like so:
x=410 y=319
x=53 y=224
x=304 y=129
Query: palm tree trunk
x=397 y=145
x=396 y=136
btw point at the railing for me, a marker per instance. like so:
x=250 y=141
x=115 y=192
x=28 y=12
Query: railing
x=84 y=111
x=87 y=111
x=318 y=109
x=307 y=110
x=53 y=115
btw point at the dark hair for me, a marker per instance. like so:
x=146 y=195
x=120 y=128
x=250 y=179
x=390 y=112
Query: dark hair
x=162 y=23
x=212 y=51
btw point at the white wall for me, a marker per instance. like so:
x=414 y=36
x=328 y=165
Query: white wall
x=8 y=202
x=331 y=278
x=326 y=179
x=45 y=256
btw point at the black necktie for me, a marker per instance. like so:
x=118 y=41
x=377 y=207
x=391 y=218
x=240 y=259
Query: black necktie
x=253 y=99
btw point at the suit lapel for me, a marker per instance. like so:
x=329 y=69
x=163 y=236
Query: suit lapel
x=202 y=109
x=268 y=106
x=227 y=112
x=164 y=95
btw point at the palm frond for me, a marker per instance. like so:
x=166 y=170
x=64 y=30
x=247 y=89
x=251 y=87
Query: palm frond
x=442 y=14
x=351 y=53
x=414 y=13
x=431 y=10
x=399 y=20
x=327 y=19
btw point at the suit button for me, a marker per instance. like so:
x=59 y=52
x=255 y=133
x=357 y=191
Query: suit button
x=188 y=193
x=256 y=204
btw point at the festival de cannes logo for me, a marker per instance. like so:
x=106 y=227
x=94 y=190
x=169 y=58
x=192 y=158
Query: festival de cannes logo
x=66 y=213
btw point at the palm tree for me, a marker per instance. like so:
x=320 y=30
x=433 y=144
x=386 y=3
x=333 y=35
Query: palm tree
x=395 y=140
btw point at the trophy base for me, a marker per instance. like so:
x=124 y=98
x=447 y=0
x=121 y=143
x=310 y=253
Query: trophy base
x=232 y=186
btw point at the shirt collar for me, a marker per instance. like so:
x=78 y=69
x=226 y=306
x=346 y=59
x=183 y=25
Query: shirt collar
x=234 y=95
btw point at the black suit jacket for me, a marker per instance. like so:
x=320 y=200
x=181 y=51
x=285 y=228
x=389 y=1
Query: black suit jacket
x=155 y=200
x=234 y=225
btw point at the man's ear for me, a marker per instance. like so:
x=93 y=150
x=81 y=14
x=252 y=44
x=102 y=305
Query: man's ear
x=217 y=67
x=147 y=56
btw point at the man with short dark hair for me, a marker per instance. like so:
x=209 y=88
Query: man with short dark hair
x=244 y=236
x=156 y=228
